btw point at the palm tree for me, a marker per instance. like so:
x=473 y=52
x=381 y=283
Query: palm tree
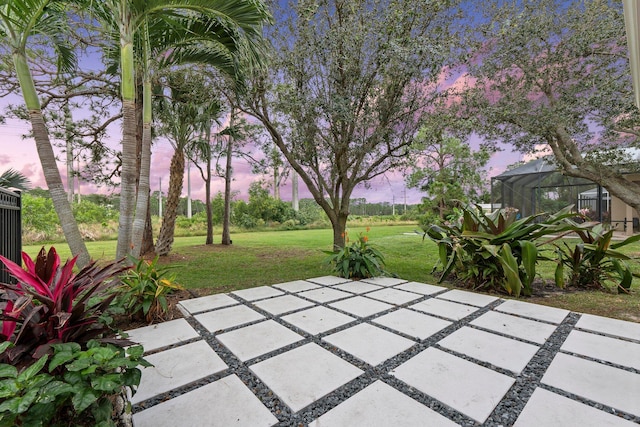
x=11 y=178
x=234 y=23
x=19 y=21
x=183 y=113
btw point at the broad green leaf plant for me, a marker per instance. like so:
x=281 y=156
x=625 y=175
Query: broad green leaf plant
x=494 y=251
x=358 y=260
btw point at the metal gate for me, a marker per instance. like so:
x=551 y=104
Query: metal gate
x=10 y=229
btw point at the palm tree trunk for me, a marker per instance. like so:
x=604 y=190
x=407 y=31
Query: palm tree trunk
x=226 y=217
x=207 y=187
x=129 y=144
x=48 y=162
x=176 y=172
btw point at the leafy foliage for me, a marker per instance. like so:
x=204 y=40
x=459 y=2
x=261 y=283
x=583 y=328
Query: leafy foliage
x=50 y=304
x=594 y=262
x=494 y=251
x=72 y=387
x=144 y=290
x=357 y=261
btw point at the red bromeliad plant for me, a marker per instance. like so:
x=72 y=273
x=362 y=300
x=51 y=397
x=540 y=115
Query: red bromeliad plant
x=50 y=304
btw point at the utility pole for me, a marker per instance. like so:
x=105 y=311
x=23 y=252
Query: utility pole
x=160 y=199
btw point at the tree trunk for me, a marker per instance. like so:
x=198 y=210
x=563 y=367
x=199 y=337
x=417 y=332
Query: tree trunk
x=276 y=183
x=127 y=180
x=339 y=224
x=48 y=162
x=142 y=204
x=176 y=172
x=226 y=217
x=56 y=189
x=572 y=163
x=68 y=135
x=294 y=192
x=147 y=241
x=207 y=196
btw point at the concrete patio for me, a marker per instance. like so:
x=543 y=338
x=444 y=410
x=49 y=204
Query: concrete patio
x=385 y=352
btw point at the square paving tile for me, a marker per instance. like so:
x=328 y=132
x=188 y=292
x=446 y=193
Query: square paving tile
x=411 y=323
x=503 y=352
x=226 y=402
x=384 y=281
x=163 y=334
x=466 y=387
x=601 y=383
x=420 y=288
x=210 y=302
x=465 y=297
x=228 y=318
x=170 y=371
x=361 y=306
x=545 y=408
x=439 y=307
x=393 y=296
x=357 y=287
x=321 y=370
x=318 y=319
x=323 y=295
x=615 y=327
x=612 y=350
x=514 y=326
x=261 y=292
x=256 y=340
x=380 y=405
x=283 y=304
x=296 y=286
x=369 y=343
x=328 y=280
x=534 y=311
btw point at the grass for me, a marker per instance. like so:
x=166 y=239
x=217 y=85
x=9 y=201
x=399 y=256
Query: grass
x=266 y=258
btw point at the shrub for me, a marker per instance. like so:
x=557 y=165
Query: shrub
x=494 y=251
x=594 y=262
x=73 y=387
x=357 y=261
x=144 y=289
x=51 y=305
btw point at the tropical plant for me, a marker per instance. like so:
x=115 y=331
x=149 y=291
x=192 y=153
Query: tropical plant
x=20 y=21
x=359 y=260
x=144 y=290
x=595 y=261
x=50 y=304
x=74 y=386
x=11 y=178
x=495 y=250
x=178 y=31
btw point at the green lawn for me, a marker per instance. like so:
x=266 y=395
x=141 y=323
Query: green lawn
x=264 y=258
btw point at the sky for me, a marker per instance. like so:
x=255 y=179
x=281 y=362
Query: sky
x=20 y=153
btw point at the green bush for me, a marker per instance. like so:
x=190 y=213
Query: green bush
x=497 y=250
x=357 y=261
x=39 y=214
x=73 y=387
x=144 y=289
x=594 y=262
x=87 y=212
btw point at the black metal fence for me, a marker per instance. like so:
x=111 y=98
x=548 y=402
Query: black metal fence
x=10 y=229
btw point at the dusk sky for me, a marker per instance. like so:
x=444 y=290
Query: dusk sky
x=20 y=154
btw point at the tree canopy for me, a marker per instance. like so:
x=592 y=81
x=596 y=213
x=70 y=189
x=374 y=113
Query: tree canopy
x=349 y=84
x=554 y=75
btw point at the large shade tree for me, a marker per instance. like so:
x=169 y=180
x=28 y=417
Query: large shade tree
x=555 y=75
x=21 y=22
x=350 y=80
